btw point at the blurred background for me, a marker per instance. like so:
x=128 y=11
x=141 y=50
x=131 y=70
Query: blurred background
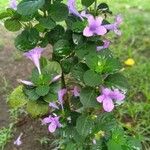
x=134 y=43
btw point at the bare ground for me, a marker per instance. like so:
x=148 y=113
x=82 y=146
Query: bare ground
x=13 y=67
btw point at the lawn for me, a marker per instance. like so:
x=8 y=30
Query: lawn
x=134 y=43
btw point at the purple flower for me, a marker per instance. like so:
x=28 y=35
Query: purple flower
x=114 y=27
x=18 y=141
x=53 y=105
x=53 y=123
x=117 y=95
x=106 y=45
x=107 y=96
x=61 y=94
x=13 y=4
x=85 y=15
x=76 y=91
x=72 y=9
x=25 y=82
x=35 y=55
x=94 y=27
x=56 y=78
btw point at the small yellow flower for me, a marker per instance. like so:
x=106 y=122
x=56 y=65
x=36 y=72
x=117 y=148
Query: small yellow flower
x=129 y=62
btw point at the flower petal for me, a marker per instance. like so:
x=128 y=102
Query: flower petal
x=46 y=120
x=100 y=98
x=117 y=95
x=101 y=30
x=108 y=104
x=53 y=105
x=72 y=9
x=52 y=127
x=87 y=32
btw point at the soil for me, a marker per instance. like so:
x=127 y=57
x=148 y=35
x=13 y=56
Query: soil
x=11 y=69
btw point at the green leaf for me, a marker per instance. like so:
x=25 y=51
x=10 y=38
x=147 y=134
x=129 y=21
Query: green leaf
x=47 y=23
x=27 y=40
x=50 y=97
x=87 y=3
x=77 y=38
x=52 y=68
x=84 y=125
x=12 y=25
x=113 y=145
x=55 y=34
x=62 y=48
x=6 y=14
x=112 y=65
x=42 y=90
x=117 y=140
x=37 y=109
x=58 y=12
x=95 y=62
x=78 y=70
x=134 y=143
x=78 y=26
x=17 y=98
x=84 y=49
x=88 y=97
x=68 y=63
x=71 y=146
x=92 y=79
x=31 y=93
x=117 y=80
x=29 y=7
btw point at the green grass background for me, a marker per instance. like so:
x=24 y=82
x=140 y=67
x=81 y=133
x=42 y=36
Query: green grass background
x=134 y=43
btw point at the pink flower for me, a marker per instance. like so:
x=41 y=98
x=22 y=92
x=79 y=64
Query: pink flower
x=72 y=9
x=76 y=91
x=18 y=141
x=29 y=83
x=61 y=94
x=56 y=78
x=105 y=46
x=53 y=123
x=115 y=26
x=94 y=27
x=35 y=55
x=13 y=4
x=107 y=96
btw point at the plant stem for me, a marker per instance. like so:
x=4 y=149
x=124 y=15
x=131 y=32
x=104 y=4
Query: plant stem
x=95 y=7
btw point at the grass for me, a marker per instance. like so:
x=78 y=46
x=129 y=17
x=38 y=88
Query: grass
x=5 y=136
x=134 y=43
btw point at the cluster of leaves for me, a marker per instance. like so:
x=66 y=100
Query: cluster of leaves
x=106 y=135
x=38 y=96
x=76 y=58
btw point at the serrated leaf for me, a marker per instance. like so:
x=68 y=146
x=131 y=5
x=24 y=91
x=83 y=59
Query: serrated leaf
x=17 y=98
x=37 y=109
x=88 y=97
x=92 y=79
x=29 y=7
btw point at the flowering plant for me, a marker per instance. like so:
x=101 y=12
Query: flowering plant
x=78 y=88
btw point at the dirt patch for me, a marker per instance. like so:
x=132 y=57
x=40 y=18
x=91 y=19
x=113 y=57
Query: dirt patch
x=12 y=69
